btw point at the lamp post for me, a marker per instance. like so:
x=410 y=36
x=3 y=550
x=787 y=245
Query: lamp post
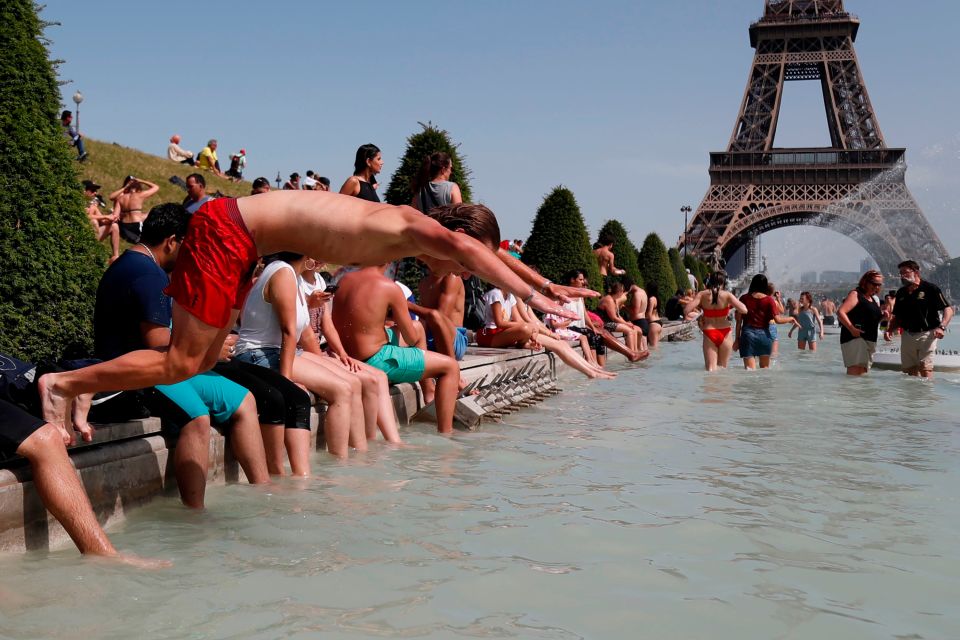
x=278 y=180
x=685 y=209
x=77 y=99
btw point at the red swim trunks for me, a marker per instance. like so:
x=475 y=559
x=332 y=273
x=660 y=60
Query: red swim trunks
x=215 y=264
x=485 y=336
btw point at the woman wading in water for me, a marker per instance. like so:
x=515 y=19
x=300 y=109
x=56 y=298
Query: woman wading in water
x=716 y=304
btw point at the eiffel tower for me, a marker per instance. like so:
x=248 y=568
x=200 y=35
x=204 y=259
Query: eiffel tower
x=856 y=186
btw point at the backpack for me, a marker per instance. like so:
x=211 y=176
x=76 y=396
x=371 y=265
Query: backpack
x=16 y=382
x=473 y=303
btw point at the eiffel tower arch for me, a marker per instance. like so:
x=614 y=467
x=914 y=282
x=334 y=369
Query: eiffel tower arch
x=855 y=187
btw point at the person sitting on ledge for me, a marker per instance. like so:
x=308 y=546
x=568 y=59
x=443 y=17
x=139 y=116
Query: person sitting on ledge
x=365 y=300
x=131 y=313
x=609 y=312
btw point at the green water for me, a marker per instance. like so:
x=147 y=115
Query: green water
x=789 y=503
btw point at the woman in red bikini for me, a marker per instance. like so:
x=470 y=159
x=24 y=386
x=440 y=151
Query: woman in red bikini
x=716 y=303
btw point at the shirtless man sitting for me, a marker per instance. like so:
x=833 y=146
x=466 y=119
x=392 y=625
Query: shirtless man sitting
x=128 y=206
x=103 y=226
x=217 y=257
x=605 y=259
x=636 y=309
x=446 y=294
x=365 y=300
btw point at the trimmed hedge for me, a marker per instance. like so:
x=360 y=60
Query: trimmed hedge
x=624 y=251
x=559 y=240
x=655 y=266
x=50 y=261
x=679 y=271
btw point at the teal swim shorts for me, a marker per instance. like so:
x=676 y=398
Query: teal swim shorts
x=204 y=394
x=401 y=364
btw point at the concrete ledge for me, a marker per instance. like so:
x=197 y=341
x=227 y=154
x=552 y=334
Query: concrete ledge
x=129 y=464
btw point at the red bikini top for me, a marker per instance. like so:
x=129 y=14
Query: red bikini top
x=716 y=313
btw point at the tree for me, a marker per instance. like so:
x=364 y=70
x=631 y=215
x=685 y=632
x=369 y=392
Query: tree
x=679 y=271
x=655 y=265
x=419 y=146
x=49 y=259
x=559 y=240
x=623 y=249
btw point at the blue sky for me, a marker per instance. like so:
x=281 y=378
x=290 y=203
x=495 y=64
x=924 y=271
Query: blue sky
x=621 y=101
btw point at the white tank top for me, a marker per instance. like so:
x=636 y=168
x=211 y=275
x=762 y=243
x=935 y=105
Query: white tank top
x=259 y=325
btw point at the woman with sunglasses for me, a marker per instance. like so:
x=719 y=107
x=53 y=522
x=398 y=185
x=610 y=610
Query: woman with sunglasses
x=859 y=317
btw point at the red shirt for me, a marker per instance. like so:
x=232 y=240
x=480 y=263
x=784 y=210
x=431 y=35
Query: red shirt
x=760 y=311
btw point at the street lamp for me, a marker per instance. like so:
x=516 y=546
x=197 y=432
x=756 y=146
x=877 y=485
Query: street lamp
x=77 y=99
x=685 y=209
x=278 y=180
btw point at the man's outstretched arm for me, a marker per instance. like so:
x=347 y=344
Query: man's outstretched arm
x=541 y=284
x=432 y=239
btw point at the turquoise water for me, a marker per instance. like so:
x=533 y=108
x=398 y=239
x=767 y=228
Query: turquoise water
x=789 y=503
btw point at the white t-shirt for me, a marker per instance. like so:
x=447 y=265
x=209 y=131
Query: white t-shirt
x=259 y=325
x=507 y=304
x=576 y=306
x=308 y=183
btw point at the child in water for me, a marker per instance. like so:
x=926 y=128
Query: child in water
x=810 y=324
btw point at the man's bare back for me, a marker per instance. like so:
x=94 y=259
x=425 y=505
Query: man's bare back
x=364 y=300
x=637 y=308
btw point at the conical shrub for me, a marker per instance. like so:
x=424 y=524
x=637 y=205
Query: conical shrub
x=50 y=261
x=679 y=271
x=559 y=240
x=624 y=251
x=655 y=266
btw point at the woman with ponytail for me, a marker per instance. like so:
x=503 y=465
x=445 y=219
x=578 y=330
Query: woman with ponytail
x=431 y=187
x=716 y=303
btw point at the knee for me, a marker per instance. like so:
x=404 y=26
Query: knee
x=180 y=368
x=341 y=390
x=42 y=444
x=356 y=384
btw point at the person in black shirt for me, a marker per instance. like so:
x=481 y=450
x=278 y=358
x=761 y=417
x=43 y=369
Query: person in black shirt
x=923 y=313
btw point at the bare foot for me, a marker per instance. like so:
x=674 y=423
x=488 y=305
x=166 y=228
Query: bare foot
x=78 y=414
x=638 y=356
x=54 y=404
x=138 y=562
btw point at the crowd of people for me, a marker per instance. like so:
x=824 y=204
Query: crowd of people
x=918 y=313
x=220 y=314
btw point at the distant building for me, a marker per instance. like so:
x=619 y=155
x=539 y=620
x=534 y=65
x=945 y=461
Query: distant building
x=839 y=277
x=866 y=264
x=808 y=277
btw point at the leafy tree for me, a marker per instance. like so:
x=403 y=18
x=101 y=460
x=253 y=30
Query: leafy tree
x=49 y=259
x=679 y=271
x=655 y=265
x=623 y=249
x=559 y=240
x=419 y=146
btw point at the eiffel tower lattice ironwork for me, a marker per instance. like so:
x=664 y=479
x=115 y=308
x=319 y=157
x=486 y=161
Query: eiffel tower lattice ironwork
x=856 y=186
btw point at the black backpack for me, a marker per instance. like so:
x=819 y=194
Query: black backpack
x=473 y=303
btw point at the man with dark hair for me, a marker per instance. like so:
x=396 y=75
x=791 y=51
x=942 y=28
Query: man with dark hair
x=323 y=183
x=309 y=183
x=923 y=313
x=71 y=133
x=132 y=313
x=603 y=251
x=196 y=192
x=225 y=238
x=260 y=185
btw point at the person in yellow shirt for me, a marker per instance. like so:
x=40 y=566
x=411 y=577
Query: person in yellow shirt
x=208 y=158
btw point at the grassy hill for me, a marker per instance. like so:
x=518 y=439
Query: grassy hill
x=109 y=163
